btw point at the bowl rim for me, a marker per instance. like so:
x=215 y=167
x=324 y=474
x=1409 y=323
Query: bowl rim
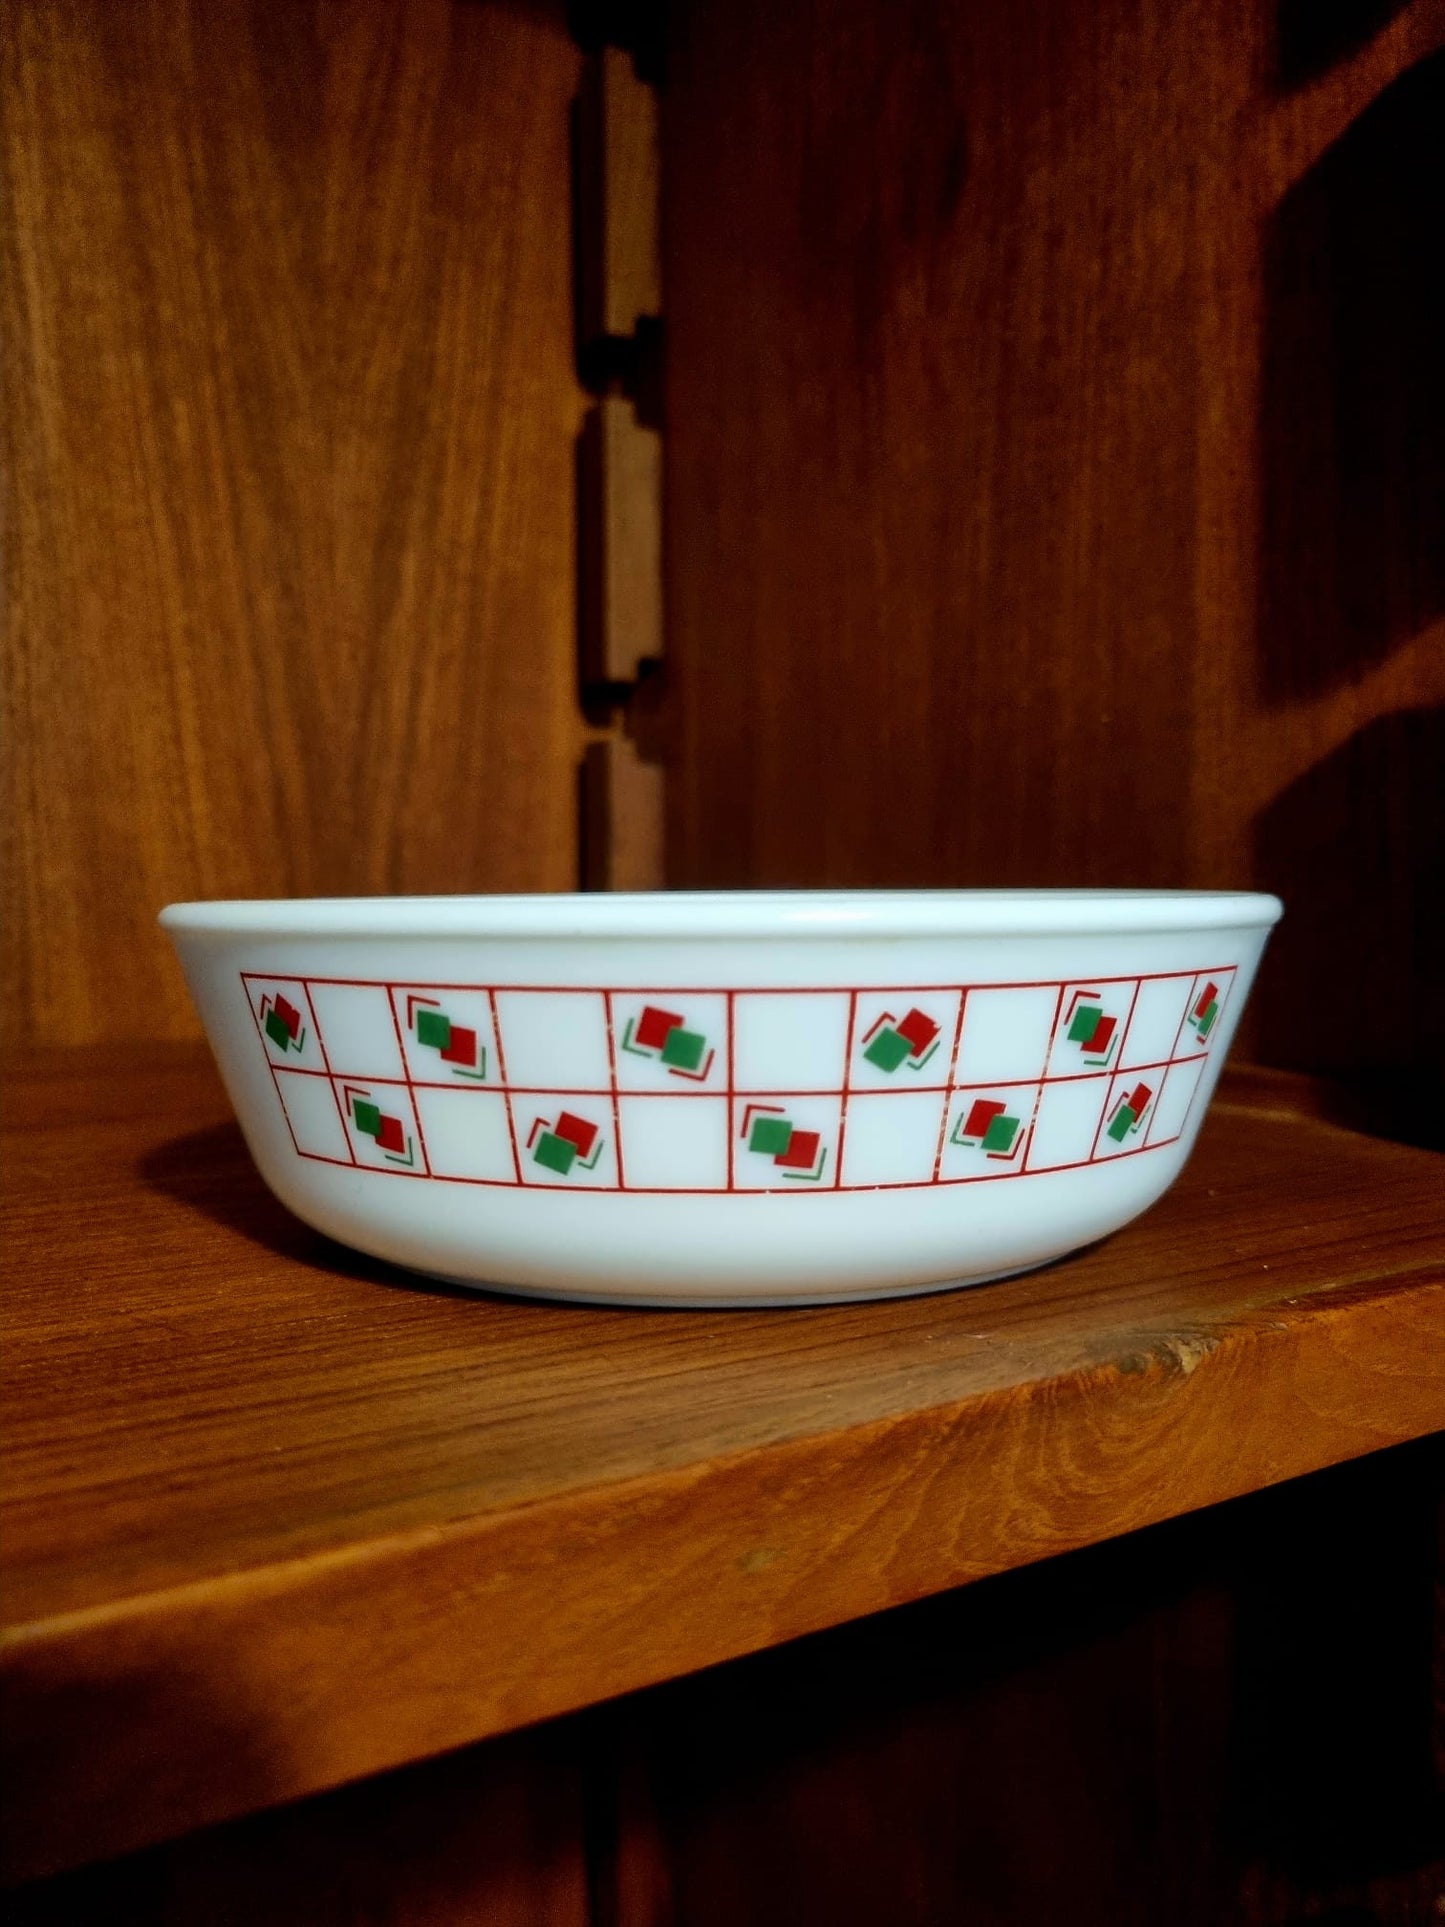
x=721 y=914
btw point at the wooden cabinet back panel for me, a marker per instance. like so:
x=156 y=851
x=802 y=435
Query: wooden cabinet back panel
x=289 y=409
x=1055 y=433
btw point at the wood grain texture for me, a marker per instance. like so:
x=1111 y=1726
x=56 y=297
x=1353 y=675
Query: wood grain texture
x=1053 y=495
x=289 y=411
x=243 y=1463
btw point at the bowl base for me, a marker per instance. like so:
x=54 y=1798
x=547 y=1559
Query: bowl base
x=777 y=1299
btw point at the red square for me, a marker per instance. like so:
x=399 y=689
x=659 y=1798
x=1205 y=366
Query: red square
x=981 y=1113
x=1211 y=991
x=391 y=1137
x=1138 y=1098
x=920 y=1030
x=577 y=1131
x=463 y=1047
x=288 y=1013
x=1098 y=1044
x=802 y=1152
x=654 y=1025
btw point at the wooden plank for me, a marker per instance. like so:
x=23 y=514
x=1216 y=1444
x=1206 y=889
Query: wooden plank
x=1053 y=494
x=277 y=1516
x=289 y=410
x=1162 y=1690
x=621 y=536
x=618 y=254
x=623 y=818
x=1225 y=1719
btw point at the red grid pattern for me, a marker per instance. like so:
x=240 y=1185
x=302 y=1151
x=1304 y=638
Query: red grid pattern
x=727 y=1092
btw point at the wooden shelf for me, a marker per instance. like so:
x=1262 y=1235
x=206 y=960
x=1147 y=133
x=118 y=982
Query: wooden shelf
x=277 y=1516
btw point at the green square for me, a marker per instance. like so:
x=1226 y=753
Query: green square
x=771 y=1135
x=684 y=1048
x=276 y=1030
x=557 y=1153
x=433 y=1027
x=368 y=1116
x=1001 y=1133
x=1206 y=1022
x=1087 y=1019
x=1122 y=1125
x=888 y=1050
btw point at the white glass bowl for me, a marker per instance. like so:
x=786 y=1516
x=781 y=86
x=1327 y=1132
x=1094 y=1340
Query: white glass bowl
x=776 y=1098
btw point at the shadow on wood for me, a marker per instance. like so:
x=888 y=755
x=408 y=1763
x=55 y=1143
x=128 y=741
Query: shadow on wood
x=1352 y=980
x=1352 y=429
x=1312 y=35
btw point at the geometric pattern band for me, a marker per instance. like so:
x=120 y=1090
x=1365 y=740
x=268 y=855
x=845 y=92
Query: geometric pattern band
x=688 y=1089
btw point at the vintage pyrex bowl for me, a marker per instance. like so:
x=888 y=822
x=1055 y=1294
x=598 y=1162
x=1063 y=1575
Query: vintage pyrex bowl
x=723 y=1099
